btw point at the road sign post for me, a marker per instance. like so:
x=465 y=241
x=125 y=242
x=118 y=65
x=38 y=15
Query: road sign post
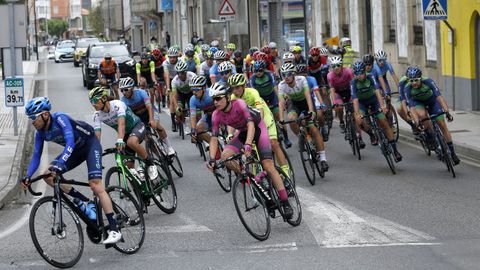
x=226 y=12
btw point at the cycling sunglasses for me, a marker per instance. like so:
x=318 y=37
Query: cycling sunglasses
x=259 y=70
x=126 y=89
x=336 y=65
x=313 y=55
x=34 y=117
x=218 y=98
x=359 y=73
x=196 y=89
x=288 y=74
x=415 y=80
x=224 y=72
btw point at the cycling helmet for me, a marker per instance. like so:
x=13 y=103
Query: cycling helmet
x=336 y=60
x=358 y=68
x=301 y=68
x=144 y=56
x=108 y=56
x=189 y=47
x=218 y=89
x=98 y=92
x=224 y=66
x=261 y=57
x=37 y=105
x=368 y=59
x=198 y=81
x=295 y=49
x=189 y=52
x=323 y=51
x=381 y=55
x=214 y=43
x=231 y=46
x=287 y=57
x=237 y=54
x=345 y=41
x=266 y=50
x=314 y=51
x=408 y=69
x=208 y=55
x=126 y=83
x=181 y=66
x=414 y=73
x=156 y=52
x=213 y=50
x=205 y=47
x=259 y=65
x=172 y=52
x=272 y=45
x=288 y=67
x=237 y=80
x=252 y=50
x=220 y=55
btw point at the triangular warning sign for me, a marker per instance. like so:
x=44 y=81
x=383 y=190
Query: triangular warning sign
x=226 y=9
x=434 y=8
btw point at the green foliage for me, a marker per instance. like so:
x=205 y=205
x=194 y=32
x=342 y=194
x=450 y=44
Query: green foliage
x=56 y=27
x=95 y=20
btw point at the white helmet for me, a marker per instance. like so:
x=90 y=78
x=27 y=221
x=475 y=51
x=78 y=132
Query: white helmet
x=288 y=56
x=126 y=83
x=218 y=89
x=205 y=47
x=198 y=81
x=224 y=66
x=272 y=45
x=288 y=67
x=214 y=43
x=323 y=51
x=381 y=55
x=220 y=55
x=345 y=41
x=336 y=60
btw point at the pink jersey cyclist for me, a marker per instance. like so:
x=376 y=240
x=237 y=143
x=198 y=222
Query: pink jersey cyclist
x=341 y=83
x=238 y=117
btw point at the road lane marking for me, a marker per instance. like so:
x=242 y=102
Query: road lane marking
x=334 y=224
x=190 y=227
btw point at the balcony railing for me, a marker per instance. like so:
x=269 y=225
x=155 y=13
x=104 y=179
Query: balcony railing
x=144 y=6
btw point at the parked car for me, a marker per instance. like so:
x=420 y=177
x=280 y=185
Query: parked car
x=81 y=47
x=64 y=51
x=94 y=55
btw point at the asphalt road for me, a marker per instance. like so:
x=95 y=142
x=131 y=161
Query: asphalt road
x=359 y=216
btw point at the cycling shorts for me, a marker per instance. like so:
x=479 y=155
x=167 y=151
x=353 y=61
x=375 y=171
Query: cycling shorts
x=371 y=104
x=272 y=101
x=431 y=105
x=137 y=131
x=110 y=77
x=148 y=78
x=206 y=121
x=342 y=97
x=260 y=139
x=90 y=151
x=184 y=99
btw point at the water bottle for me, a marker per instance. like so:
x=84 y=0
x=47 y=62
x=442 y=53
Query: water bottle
x=80 y=204
x=134 y=173
x=91 y=211
x=141 y=174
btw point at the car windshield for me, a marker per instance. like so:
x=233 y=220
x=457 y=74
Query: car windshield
x=85 y=43
x=115 y=51
x=66 y=45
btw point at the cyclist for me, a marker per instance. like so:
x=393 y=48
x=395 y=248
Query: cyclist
x=348 y=54
x=402 y=103
x=297 y=55
x=205 y=67
x=316 y=99
x=153 y=44
x=146 y=69
x=193 y=63
x=158 y=60
x=339 y=79
x=366 y=95
x=225 y=70
x=295 y=88
x=382 y=67
x=251 y=128
x=252 y=98
x=108 y=71
x=369 y=60
x=139 y=102
x=169 y=73
x=202 y=55
x=238 y=62
x=200 y=101
x=80 y=144
x=423 y=96
x=249 y=61
x=215 y=43
x=230 y=48
x=181 y=88
x=219 y=57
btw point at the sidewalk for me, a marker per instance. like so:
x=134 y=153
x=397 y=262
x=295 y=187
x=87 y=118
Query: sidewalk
x=465 y=130
x=12 y=148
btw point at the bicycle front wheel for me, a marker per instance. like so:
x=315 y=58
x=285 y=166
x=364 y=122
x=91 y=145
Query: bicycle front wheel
x=387 y=151
x=176 y=165
x=61 y=245
x=446 y=156
x=251 y=209
x=114 y=177
x=393 y=121
x=129 y=218
x=307 y=159
x=163 y=191
x=296 y=218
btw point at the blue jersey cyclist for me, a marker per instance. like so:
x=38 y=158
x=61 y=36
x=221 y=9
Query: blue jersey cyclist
x=80 y=144
x=139 y=102
x=219 y=56
x=423 y=96
x=366 y=96
x=200 y=101
x=381 y=68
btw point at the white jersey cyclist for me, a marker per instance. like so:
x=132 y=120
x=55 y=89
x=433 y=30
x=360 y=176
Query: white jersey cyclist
x=295 y=93
x=117 y=109
x=182 y=86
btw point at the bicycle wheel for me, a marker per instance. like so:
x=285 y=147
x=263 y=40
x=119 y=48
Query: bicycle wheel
x=129 y=218
x=62 y=248
x=181 y=130
x=387 y=151
x=251 y=209
x=393 y=121
x=176 y=165
x=114 y=177
x=307 y=160
x=446 y=156
x=163 y=191
x=296 y=218
x=201 y=149
x=154 y=151
x=424 y=144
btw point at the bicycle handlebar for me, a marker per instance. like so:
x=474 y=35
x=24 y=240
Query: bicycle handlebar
x=299 y=119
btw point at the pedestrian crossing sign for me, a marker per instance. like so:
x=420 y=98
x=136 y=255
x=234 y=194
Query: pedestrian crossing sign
x=435 y=9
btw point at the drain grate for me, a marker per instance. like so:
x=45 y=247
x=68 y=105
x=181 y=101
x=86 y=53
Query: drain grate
x=459 y=131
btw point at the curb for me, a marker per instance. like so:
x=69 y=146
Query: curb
x=463 y=150
x=22 y=154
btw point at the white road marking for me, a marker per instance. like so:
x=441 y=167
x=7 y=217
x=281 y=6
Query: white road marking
x=334 y=224
x=190 y=227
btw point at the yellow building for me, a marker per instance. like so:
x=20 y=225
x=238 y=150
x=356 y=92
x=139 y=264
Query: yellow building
x=464 y=17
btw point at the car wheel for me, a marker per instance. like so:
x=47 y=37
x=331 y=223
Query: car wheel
x=76 y=64
x=56 y=61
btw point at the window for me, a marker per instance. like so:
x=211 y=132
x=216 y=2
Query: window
x=418 y=23
x=55 y=9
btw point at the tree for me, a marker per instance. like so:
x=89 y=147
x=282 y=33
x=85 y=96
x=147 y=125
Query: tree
x=56 y=27
x=95 y=20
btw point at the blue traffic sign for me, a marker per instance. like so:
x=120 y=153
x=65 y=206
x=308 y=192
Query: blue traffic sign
x=435 y=9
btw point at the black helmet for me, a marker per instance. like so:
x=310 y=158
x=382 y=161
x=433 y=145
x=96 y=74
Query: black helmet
x=368 y=59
